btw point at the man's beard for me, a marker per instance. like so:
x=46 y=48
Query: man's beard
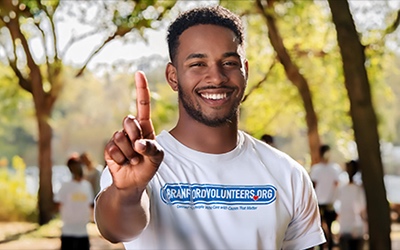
x=196 y=113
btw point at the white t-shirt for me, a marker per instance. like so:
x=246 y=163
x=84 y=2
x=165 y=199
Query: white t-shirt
x=350 y=204
x=76 y=199
x=326 y=177
x=254 y=197
x=93 y=177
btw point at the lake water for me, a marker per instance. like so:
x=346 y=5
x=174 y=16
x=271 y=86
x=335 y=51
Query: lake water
x=60 y=174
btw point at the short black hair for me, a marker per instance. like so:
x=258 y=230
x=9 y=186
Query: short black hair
x=267 y=138
x=216 y=15
x=323 y=149
x=352 y=168
x=74 y=165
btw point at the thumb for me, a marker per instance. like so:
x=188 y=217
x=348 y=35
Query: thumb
x=151 y=150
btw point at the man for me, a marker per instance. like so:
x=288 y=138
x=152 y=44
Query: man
x=75 y=201
x=269 y=139
x=204 y=184
x=91 y=172
x=325 y=177
x=352 y=211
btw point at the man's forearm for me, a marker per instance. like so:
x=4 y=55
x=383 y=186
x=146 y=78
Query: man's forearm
x=121 y=217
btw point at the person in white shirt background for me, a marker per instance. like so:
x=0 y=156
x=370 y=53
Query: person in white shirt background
x=350 y=206
x=325 y=176
x=74 y=200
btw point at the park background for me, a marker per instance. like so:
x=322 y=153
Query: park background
x=86 y=52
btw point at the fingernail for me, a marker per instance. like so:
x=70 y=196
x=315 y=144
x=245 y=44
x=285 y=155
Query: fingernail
x=134 y=160
x=142 y=142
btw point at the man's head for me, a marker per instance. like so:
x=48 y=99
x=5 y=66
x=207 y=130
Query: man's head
x=352 y=169
x=207 y=15
x=85 y=158
x=267 y=138
x=208 y=68
x=324 y=152
x=74 y=165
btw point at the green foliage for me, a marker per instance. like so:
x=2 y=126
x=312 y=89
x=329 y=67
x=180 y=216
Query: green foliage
x=275 y=106
x=164 y=107
x=139 y=15
x=16 y=105
x=90 y=108
x=16 y=203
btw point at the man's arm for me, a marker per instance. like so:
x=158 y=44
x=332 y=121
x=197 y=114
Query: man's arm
x=120 y=215
x=133 y=157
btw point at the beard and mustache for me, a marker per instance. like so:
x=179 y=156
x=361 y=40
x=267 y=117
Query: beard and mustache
x=197 y=114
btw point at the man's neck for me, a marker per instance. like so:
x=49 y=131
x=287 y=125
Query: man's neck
x=324 y=161
x=77 y=178
x=203 y=138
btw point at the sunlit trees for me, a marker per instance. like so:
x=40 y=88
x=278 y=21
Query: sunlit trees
x=304 y=38
x=266 y=8
x=29 y=38
x=364 y=123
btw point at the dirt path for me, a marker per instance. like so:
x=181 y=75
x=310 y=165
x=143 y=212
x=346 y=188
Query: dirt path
x=21 y=236
x=24 y=236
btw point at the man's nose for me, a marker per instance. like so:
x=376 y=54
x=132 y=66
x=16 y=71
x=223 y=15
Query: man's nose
x=216 y=74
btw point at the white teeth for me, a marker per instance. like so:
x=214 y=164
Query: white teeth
x=214 y=96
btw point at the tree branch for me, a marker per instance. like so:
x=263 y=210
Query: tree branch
x=75 y=39
x=110 y=38
x=392 y=27
x=35 y=74
x=260 y=82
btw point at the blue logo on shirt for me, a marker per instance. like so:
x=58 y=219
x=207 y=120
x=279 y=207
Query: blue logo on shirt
x=192 y=194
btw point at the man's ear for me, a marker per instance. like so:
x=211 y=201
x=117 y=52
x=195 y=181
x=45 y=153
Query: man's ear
x=171 y=76
x=246 y=68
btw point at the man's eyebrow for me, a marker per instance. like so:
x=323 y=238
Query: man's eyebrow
x=195 y=55
x=201 y=55
x=229 y=54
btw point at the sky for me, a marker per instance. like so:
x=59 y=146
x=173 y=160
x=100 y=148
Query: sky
x=117 y=49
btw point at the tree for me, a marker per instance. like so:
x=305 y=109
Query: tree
x=266 y=9
x=364 y=124
x=42 y=76
x=16 y=137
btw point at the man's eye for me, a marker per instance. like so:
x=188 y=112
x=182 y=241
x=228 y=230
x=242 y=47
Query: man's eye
x=230 y=63
x=196 y=64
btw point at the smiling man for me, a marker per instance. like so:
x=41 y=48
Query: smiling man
x=204 y=184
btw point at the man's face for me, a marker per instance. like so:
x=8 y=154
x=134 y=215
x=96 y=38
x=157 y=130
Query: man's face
x=211 y=74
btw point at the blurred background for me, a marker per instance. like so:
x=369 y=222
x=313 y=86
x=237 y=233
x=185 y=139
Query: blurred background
x=66 y=82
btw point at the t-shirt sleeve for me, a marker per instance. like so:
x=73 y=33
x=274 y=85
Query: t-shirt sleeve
x=338 y=171
x=313 y=173
x=304 y=231
x=89 y=192
x=105 y=179
x=59 y=196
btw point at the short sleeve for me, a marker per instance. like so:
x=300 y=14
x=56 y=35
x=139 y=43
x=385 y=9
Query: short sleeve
x=304 y=231
x=59 y=196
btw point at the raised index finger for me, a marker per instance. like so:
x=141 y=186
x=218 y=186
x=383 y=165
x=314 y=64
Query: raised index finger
x=143 y=105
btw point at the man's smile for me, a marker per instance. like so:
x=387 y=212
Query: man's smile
x=212 y=96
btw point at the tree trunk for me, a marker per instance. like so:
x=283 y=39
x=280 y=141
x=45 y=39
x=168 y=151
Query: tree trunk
x=43 y=105
x=45 y=196
x=364 y=124
x=298 y=80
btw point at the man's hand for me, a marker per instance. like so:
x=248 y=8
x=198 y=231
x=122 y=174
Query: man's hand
x=132 y=155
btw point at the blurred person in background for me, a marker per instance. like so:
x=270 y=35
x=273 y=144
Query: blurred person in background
x=269 y=139
x=351 y=209
x=91 y=172
x=74 y=201
x=325 y=176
